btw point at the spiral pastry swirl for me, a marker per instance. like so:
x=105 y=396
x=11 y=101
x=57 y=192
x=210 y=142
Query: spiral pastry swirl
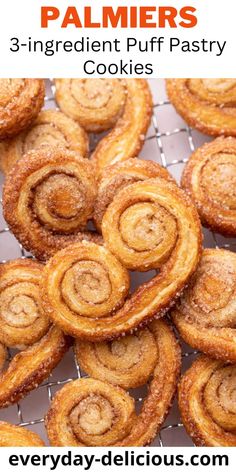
x=95 y=103
x=83 y=285
x=20 y=103
x=51 y=128
x=206 y=313
x=32 y=366
x=99 y=414
x=91 y=412
x=206 y=104
x=126 y=139
x=22 y=322
x=207 y=402
x=144 y=226
x=11 y=435
x=48 y=197
x=118 y=176
x=210 y=179
x=149 y=224
x=127 y=362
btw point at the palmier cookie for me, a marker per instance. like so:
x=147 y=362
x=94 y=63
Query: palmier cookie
x=51 y=128
x=207 y=402
x=210 y=179
x=48 y=198
x=206 y=313
x=11 y=435
x=206 y=104
x=92 y=412
x=20 y=102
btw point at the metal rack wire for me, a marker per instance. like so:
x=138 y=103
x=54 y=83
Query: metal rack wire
x=172 y=433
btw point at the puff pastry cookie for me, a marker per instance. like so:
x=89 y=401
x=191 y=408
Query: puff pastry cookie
x=20 y=103
x=206 y=313
x=210 y=179
x=51 y=128
x=206 y=104
x=207 y=402
x=48 y=198
x=11 y=435
x=149 y=225
x=90 y=412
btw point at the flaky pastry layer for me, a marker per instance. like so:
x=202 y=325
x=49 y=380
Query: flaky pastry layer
x=95 y=103
x=206 y=104
x=120 y=175
x=126 y=139
x=162 y=230
x=48 y=198
x=91 y=412
x=20 y=103
x=51 y=128
x=207 y=402
x=14 y=436
x=206 y=313
x=22 y=321
x=30 y=367
x=210 y=179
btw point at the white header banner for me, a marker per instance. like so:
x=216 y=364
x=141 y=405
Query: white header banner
x=115 y=459
x=117 y=38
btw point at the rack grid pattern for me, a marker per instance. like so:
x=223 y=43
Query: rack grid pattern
x=163 y=143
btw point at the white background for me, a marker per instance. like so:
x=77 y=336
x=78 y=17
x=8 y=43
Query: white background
x=99 y=451
x=216 y=22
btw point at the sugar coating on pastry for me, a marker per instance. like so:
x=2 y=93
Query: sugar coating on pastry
x=22 y=321
x=149 y=224
x=51 y=128
x=207 y=402
x=205 y=315
x=20 y=102
x=127 y=137
x=127 y=362
x=94 y=412
x=31 y=366
x=48 y=198
x=120 y=175
x=208 y=105
x=95 y=103
x=210 y=179
x=11 y=435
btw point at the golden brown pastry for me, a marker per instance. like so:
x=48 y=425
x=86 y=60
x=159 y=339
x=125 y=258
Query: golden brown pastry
x=51 y=128
x=47 y=199
x=206 y=313
x=83 y=285
x=206 y=104
x=207 y=402
x=20 y=103
x=14 y=436
x=150 y=224
x=3 y=148
x=210 y=179
x=127 y=362
x=30 y=367
x=22 y=321
x=91 y=412
x=120 y=175
x=3 y=353
x=126 y=139
x=95 y=103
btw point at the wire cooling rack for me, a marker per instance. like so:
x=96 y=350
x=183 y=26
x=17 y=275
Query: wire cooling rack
x=169 y=142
